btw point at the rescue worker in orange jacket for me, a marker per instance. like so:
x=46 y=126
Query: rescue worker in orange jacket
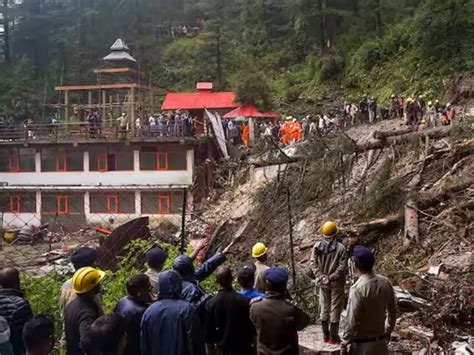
x=285 y=132
x=246 y=134
x=296 y=131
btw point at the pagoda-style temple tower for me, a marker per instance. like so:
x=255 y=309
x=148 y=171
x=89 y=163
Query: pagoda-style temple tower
x=120 y=88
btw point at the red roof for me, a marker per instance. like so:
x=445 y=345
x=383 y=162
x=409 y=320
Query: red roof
x=250 y=111
x=199 y=101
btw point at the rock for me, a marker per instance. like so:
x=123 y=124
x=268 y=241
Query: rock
x=311 y=342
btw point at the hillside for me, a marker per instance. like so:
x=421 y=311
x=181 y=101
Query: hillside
x=411 y=200
x=296 y=51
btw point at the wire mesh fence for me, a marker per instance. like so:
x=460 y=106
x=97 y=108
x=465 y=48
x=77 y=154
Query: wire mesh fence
x=38 y=226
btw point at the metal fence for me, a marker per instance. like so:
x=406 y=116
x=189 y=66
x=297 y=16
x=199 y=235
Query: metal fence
x=39 y=226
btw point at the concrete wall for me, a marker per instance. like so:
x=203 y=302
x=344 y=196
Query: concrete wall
x=20 y=220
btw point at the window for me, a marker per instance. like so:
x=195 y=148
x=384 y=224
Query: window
x=17 y=160
x=18 y=202
x=62 y=203
x=111 y=159
x=165 y=202
x=112 y=202
x=61 y=160
x=152 y=159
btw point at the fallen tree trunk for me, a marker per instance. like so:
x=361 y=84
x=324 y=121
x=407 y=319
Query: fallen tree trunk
x=380 y=224
x=382 y=135
x=411 y=232
x=433 y=133
x=430 y=199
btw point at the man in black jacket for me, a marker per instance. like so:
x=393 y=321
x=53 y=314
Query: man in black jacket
x=228 y=318
x=14 y=307
x=81 y=312
x=131 y=309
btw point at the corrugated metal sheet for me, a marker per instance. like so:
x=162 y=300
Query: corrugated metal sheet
x=199 y=101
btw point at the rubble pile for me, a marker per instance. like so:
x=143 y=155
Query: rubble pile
x=410 y=196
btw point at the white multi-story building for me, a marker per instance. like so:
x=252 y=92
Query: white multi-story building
x=78 y=183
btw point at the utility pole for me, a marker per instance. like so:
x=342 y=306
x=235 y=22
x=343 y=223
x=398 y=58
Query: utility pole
x=182 y=247
x=292 y=245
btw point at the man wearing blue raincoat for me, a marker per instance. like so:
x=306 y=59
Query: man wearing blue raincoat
x=171 y=325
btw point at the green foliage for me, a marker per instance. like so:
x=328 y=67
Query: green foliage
x=379 y=46
x=400 y=267
x=181 y=69
x=43 y=292
x=43 y=295
x=21 y=93
x=251 y=85
x=114 y=285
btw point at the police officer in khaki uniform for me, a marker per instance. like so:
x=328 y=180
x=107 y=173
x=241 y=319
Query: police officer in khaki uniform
x=371 y=312
x=329 y=265
x=277 y=320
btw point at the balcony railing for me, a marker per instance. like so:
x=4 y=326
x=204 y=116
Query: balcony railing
x=85 y=131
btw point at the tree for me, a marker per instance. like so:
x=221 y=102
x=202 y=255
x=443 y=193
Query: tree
x=251 y=85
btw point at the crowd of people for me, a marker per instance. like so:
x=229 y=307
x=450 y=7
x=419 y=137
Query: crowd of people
x=170 y=312
x=416 y=113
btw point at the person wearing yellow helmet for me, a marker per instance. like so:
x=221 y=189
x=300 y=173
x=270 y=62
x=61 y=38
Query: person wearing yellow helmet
x=81 y=312
x=81 y=257
x=259 y=252
x=329 y=265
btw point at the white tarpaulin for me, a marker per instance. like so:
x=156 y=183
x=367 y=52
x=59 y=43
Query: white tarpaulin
x=218 y=131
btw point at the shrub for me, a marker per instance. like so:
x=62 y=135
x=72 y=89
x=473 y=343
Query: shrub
x=43 y=292
x=331 y=67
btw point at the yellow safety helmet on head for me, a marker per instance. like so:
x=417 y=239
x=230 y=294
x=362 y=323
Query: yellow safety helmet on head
x=258 y=250
x=329 y=229
x=86 y=278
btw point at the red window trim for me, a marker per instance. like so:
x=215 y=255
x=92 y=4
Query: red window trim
x=14 y=204
x=102 y=158
x=158 y=154
x=108 y=197
x=14 y=168
x=62 y=208
x=105 y=167
x=14 y=158
x=166 y=167
x=60 y=158
x=167 y=198
x=116 y=200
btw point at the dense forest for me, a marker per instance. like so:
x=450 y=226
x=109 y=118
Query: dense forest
x=283 y=49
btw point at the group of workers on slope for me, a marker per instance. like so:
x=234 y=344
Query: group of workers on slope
x=288 y=131
x=415 y=112
x=169 y=311
x=421 y=114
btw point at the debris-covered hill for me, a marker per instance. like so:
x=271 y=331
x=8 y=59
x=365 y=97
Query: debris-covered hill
x=410 y=196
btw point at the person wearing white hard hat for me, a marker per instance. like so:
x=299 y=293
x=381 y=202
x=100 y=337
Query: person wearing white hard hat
x=431 y=114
